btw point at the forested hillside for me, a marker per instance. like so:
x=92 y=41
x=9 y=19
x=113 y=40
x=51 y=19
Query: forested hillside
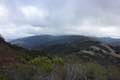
x=86 y=60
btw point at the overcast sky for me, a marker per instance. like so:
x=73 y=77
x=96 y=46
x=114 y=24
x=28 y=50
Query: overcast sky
x=21 y=18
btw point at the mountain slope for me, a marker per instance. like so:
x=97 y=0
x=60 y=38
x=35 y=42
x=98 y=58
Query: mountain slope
x=111 y=41
x=8 y=53
x=70 y=45
x=88 y=59
x=56 y=44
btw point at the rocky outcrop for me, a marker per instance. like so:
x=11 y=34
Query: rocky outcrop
x=103 y=52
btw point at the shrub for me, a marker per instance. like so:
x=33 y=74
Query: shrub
x=58 y=60
x=43 y=63
x=3 y=77
x=47 y=64
x=93 y=71
x=20 y=71
x=96 y=71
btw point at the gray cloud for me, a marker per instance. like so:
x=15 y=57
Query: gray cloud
x=20 y=18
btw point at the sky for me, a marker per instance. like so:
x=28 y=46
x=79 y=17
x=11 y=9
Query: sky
x=22 y=18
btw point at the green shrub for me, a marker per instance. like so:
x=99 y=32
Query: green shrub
x=44 y=63
x=47 y=64
x=3 y=77
x=97 y=71
x=20 y=71
x=94 y=71
x=58 y=60
x=114 y=72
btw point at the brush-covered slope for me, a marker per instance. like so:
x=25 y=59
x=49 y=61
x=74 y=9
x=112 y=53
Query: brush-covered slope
x=56 y=44
x=8 y=53
x=88 y=59
x=71 y=45
x=111 y=41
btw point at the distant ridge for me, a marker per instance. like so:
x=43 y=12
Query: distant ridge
x=45 y=41
x=73 y=45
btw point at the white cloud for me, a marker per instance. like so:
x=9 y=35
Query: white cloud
x=12 y=31
x=89 y=28
x=20 y=18
x=3 y=11
x=32 y=12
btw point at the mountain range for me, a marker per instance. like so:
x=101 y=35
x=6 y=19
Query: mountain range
x=56 y=44
x=63 y=43
x=40 y=40
x=67 y=57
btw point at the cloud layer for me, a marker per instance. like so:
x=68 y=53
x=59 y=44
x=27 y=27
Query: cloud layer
x=20 y=18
